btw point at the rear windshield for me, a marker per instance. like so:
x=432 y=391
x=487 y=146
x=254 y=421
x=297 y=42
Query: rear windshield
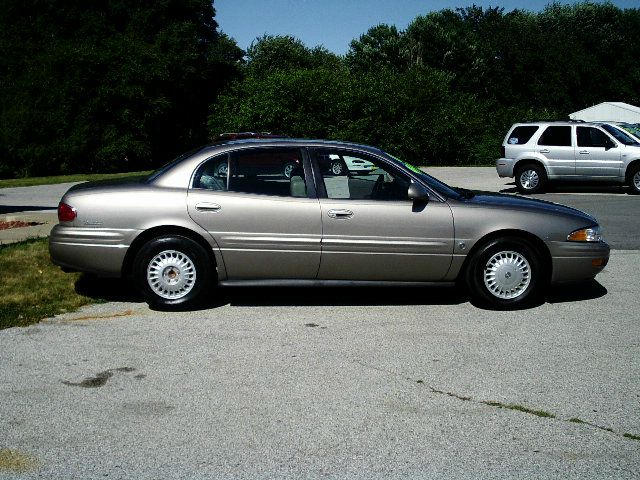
x=522 y=134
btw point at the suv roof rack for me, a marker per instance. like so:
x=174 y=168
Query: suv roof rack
x=241 y=135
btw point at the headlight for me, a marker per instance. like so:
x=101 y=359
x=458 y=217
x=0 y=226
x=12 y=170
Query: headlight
x=591 y=234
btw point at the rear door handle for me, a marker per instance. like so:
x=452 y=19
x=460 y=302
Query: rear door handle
x=340 y=213
x=545 y=151
x=208 y=207
x=584 y=152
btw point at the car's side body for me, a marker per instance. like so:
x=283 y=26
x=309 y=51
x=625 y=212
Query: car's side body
x=305 y=228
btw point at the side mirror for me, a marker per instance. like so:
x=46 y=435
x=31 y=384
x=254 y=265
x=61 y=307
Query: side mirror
x=610 y=144
x=417 y=192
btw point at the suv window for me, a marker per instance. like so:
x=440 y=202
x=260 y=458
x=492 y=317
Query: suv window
x=522 y=134
x=358 y=177
x=274 y=171
x=621 y=136
x=592 y=137
x=557 y=136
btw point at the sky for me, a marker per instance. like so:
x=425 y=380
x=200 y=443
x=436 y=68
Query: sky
x=334 y=23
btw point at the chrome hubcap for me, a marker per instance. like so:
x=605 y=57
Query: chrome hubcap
x=529 y=179
x=171 y=274
x=507 y=275
x=636 y=180
x=336 y=168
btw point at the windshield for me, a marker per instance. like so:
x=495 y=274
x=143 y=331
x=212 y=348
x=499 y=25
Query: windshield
x=620 y=135
x=633 y=129
x=440 y=187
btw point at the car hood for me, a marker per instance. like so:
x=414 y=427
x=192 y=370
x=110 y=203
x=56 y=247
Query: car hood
x=502 y=200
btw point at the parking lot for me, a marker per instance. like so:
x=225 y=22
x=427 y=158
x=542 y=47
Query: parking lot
x=338 y=383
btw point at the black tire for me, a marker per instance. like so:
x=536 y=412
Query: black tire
x=181 y=269
x=531 y=178
x=506 y=273
x=633 y=178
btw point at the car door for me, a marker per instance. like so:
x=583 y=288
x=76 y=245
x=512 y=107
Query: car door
x=556 y=146
x=372 y=231
x=597 y=155
x=264 y=217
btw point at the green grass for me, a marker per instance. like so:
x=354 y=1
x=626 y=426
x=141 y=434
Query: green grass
x=81 y=177
x=32 y=287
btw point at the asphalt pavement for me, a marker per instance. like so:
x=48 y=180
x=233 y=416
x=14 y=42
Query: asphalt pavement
x=359 y=383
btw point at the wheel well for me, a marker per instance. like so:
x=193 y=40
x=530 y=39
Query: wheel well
x=533 y=240
x=630 y=168
x=161 y=231
x=528 y=161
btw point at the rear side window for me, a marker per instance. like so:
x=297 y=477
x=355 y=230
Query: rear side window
x=522 y=135
x=557 y=136
x=273 y=171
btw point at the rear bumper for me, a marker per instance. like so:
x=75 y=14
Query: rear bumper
x=576 y=261
x=92 y=250
x=504 y=167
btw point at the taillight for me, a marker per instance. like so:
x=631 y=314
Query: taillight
x=66 y=213
x=502 y=152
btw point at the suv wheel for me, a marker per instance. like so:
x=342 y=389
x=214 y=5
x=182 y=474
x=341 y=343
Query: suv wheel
x=633 y=178
x=530 y=178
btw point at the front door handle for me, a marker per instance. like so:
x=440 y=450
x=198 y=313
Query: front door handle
x=340 y=213
x=584 y=152
x=208 y=207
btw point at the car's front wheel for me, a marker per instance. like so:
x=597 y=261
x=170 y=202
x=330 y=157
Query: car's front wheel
x=172 y=272
x=505 y=273
x=530 y=178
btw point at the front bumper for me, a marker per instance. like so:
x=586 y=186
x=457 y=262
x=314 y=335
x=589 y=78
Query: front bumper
x=577 y=261
x=93 y=250
x=504 y=167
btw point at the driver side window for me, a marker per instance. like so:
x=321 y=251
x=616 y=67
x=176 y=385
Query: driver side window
x=353 y=176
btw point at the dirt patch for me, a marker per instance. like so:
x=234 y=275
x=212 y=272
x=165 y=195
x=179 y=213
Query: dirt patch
x=16 y=461
x=16 y=224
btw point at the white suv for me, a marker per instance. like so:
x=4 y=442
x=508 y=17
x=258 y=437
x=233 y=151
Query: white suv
x=537 y=152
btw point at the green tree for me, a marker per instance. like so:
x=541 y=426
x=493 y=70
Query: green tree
x=106 y=85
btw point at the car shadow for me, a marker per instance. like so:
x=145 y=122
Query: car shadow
x=576 y=188
x=107 y=289
x=576 y=292
x=117 y=290
x=338 y=296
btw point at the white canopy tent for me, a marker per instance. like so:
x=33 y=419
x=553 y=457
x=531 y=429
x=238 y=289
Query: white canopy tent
x=608 y=112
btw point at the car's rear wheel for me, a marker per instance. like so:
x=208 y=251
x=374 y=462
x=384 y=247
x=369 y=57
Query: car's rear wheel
x=337 y=168
x=633 y=178
x=172 y=272
x=506 y=273
x=530 y=178
x=288 y=169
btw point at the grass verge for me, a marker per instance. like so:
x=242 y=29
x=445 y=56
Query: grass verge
x=81 y=177
x=32 y=287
